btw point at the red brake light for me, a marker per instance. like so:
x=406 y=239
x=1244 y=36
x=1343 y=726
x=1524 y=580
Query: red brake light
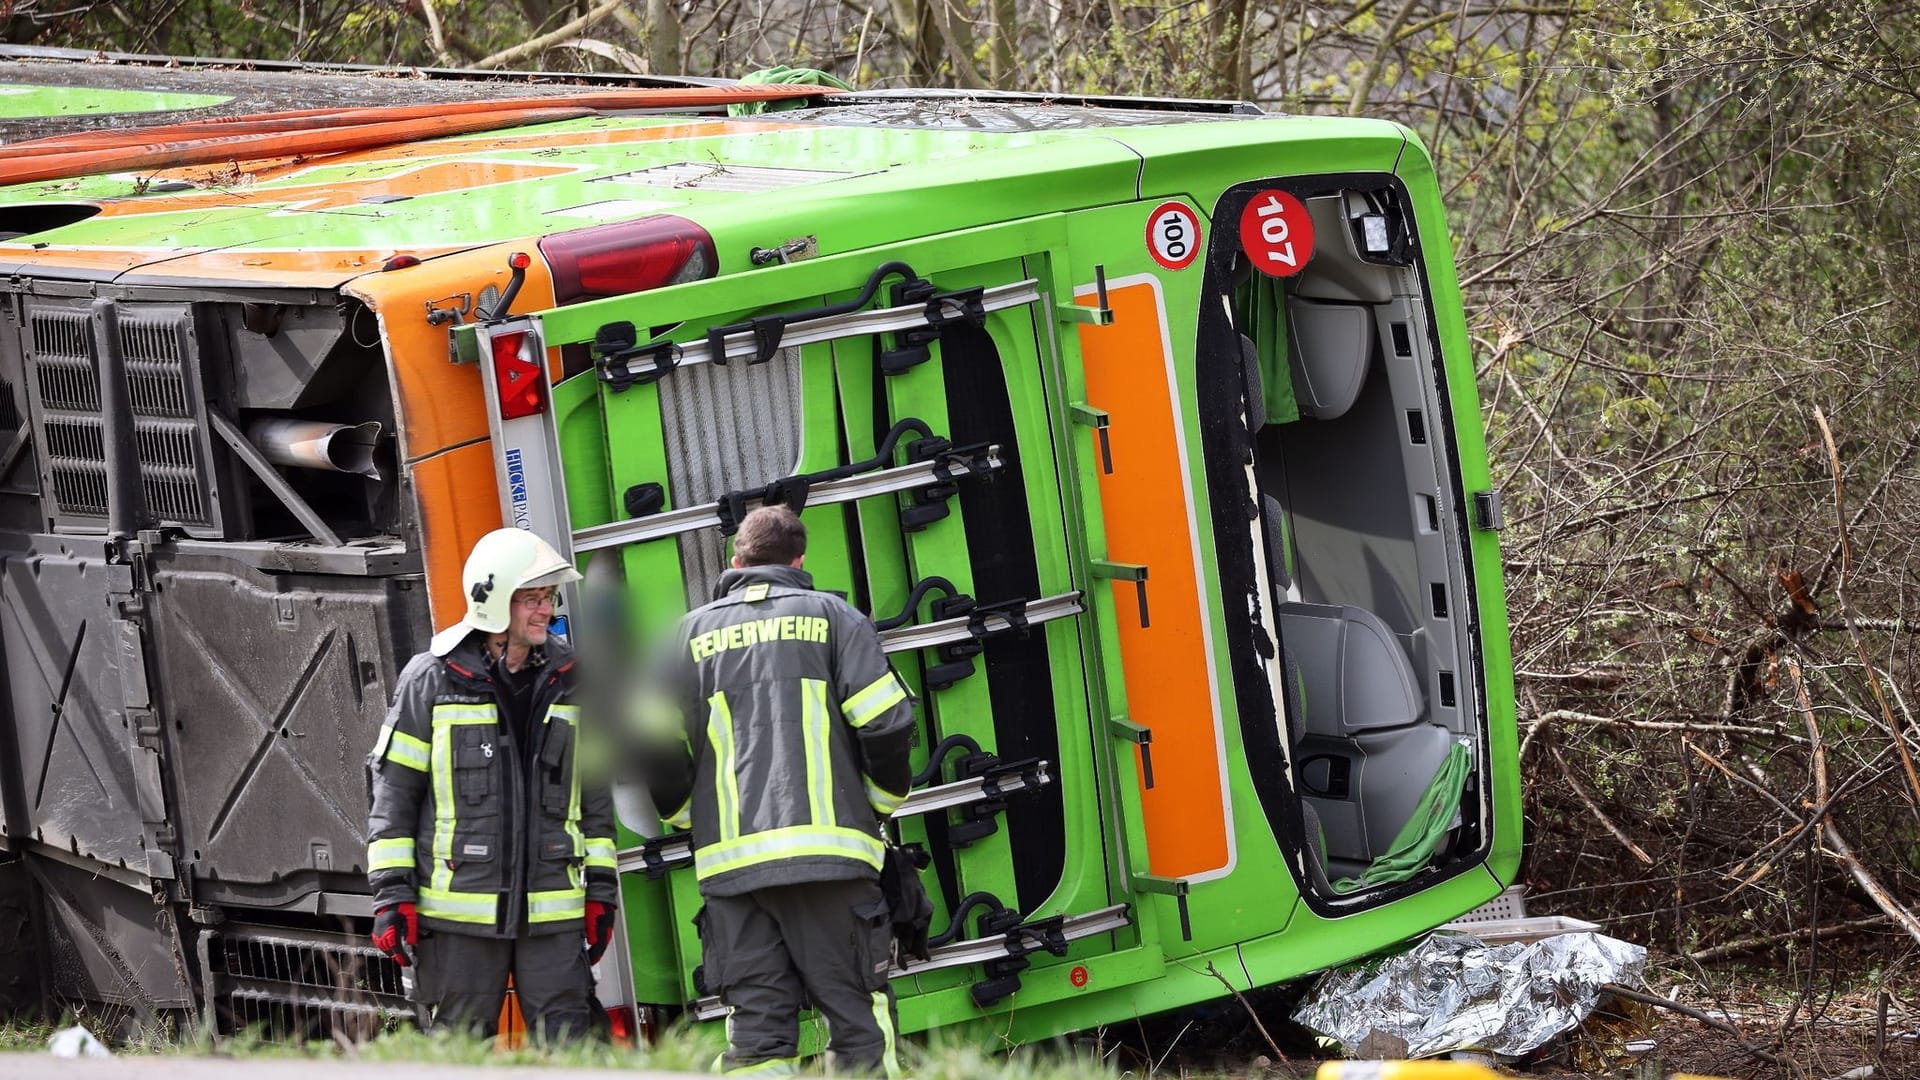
x=627 y=257
x=517 y=373
x=621 y=1026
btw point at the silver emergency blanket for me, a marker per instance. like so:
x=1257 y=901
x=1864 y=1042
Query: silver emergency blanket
x=1456 y=992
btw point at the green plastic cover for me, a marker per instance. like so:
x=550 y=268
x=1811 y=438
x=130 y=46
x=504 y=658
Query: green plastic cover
x=782 y=75
x=1412 y=850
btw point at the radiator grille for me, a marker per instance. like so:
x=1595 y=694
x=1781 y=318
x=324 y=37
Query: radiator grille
x=76 y=463
x=289 y=1018
x=60 y=333
x=305 y=985
x=171 y=442
x=318 y=965
x=68 y=382
x=159 y=386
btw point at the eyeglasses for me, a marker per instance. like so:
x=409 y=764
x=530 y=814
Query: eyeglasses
x=535 y=598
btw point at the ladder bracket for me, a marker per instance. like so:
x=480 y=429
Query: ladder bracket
x=790 y=492
x=976 y=820
x=928 y=504
x=1100 y=314
x=663 y=853
x=1099 y=420
x=615 y=350
x=940 y=311
x=1140 y=736
x=1134 y=572
x=767 y=330
x=1178 y=888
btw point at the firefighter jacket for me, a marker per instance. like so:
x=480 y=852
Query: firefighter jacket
x=787 y=735
x=489 y=838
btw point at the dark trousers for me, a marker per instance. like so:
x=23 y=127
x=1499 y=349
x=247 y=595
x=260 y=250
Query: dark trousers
x=768 y=951
x=464 y=979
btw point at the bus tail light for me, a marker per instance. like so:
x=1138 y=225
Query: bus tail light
x=519 y=374
x=627 y=257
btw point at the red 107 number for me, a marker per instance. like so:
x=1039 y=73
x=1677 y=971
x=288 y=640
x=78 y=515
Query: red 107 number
x=1276 y=232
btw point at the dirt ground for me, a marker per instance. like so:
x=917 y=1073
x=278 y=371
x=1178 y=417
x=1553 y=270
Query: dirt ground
x=1835 y=1033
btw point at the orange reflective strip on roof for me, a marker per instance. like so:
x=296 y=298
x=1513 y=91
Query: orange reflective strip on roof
x=140 y=152
x=429 y=178
x=331 y=131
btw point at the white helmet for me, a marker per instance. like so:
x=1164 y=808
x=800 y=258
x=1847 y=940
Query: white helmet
x=502 y=561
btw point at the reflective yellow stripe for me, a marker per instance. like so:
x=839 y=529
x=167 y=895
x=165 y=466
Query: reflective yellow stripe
x=556 y=905
x=866 y=705
x=681 y=818
x=404 y=749
x=883 y=1016
x=727 y=785
x=445 y=810
x=601 y=852
x=570 y=715
x=445 y=715
x=463 y=907
x=813 y=734
x=793 y=842
x=884 y=802
x=392 y=853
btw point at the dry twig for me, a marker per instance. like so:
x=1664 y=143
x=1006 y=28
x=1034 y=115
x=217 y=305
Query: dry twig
x=1713 y=1022
x=1830 y=833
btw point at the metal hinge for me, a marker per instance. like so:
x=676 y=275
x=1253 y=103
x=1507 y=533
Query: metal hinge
x=1488 y=514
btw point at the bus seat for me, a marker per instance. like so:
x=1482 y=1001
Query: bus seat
x=1279 y=547
x=1358 y=677
x=1332 y=347
x=1362 y=756
x=1256 y=389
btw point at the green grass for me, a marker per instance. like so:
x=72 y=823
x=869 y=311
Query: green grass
x=690 y=1048
x=25 y=1035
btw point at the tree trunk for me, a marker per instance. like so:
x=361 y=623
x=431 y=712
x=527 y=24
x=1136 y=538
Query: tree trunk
x=663 y=37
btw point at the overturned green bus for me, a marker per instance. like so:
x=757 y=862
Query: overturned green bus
x=1145 y=431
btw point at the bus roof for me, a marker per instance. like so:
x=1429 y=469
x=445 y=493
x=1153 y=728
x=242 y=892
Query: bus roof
x=322 y=220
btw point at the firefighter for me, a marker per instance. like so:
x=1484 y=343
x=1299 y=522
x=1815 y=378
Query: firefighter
x=490 y=844
x=782 y=736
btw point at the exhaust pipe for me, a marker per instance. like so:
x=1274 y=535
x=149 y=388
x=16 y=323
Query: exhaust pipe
x=317 y=444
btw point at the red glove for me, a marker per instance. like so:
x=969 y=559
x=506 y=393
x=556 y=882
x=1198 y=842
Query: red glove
x=396 y=928
x=599 y=929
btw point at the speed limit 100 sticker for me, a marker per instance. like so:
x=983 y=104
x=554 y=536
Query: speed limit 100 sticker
x=1173 y=235
x=1276 y=232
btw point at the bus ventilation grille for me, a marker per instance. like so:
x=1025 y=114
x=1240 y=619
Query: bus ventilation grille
x=160 y=349
x=288 y=984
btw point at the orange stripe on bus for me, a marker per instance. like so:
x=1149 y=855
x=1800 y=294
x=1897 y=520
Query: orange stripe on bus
x=432 y=178
x=442 y=404
x=459 y=503
x=1150 y=520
